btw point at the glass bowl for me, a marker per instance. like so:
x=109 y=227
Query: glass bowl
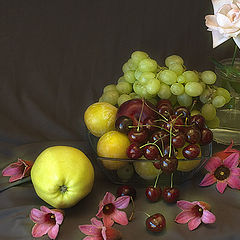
x=142 y=171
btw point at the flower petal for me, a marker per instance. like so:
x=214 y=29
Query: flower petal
x=92 y=238
x=122 y=202
x=194 y=223
x=184 y=217
x=108 y=198
x=208 y=217
x=45 y=209
x=96 y=222
x=90 y=230
x=16 y=177
x=107 y=220
x=221 y=186
x=104 y=233
x=120 y=217
x=234 y=182
x=39 y=230
x=58 y=217
x=236 y=171
x=218 y=4
x=231 y=161
x=53 y=232
x=37 y=216
x=218 y=38
x=213 y=163
x=185 y=205
x=209 y=179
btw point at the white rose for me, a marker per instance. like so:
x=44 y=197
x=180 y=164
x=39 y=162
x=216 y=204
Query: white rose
x=225 y=23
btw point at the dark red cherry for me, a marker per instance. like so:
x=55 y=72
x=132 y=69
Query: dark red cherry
x=151 y=152
x=123 y=123
x=207 y=136
x=134 y=151
x=151 y=123
x=168 y=164
x=178 y=141
x=156 y=222
x=138 y=135
x=182 y=111
x=160 y=136
x=126 y=190
x=198 y=120
x=191 y=151
x=171 y=194
x=164 y=102
x=165 y=110
x=193 y=135
x=153 y=194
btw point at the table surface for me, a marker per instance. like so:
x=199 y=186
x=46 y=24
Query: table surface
x=55 y=58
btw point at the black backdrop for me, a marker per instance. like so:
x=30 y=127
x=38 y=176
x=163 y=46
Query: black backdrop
x=55 y=58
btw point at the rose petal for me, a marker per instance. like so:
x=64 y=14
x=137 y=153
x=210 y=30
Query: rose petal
x=213 y=163
x=184 y=216
x=194 y=223
x=120 y=217
x=53 y=232
x=211 y=22
x=108 y=198
x=218 y=4
x=234 y=182
x=37 y=216
x=231 y=161
x=90 y=230
x=218 y=38
x=39 y=230
x=209 y=179
x=237 y=41
x=221 y=186
x=96 y=222
x=122 y=202
x=185 y=205
x=208 y=217
x=107 y=220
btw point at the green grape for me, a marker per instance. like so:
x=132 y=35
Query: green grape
x=209 y=77
x=110 y=97
x=153 y=86
x=143 y=79
x=181 y=79
x=195 y=112
x=215 y=123
x=193 y=89
x=164 y=91
x=153 y=101
x=133 y=95
x=223 y=92
x=132 y=65
x=184 y=100
x=168 y=77
x=137 y=74
x=129 y=76
x=203 y=84
x=208 y=111
x=123 y=98
x=205 y=96
x=147 y=65
x=100 y=99
x=109 y=88
x=125 y=67
x=173 y=59
x=124 y=87
x=173 y=99
x=177 y=68
x=138 y=56
x=140 y=90
x=218 y=101
x=190 y=76
x=177 y=89
x=121 y=79
x=125 y=173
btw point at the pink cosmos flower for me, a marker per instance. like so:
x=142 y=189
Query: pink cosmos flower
x=47 y=222
x=18 y=170
x=108 y=209
x=97 y=231
x=224 y=172
x=194 y=213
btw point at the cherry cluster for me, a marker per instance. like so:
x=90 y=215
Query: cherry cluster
x=158 y=133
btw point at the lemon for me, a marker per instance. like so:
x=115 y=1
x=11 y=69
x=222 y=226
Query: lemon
x=114 y=145
x=185 y=165
x=100 y=118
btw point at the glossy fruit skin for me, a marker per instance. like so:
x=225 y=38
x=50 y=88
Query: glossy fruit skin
x=133 y=109
x=62 y=176
x=122 y=124
x=150 y=123
x=198 y=120
x=170 y=195
x=164 y=102
x=183 y=111
x=191 y=151
x=156 y=222
x=153 y=194
x=193 y=135
x=178 y=141
x=168 y=164
x=206 y=136
x=126 y=190
x=160 y=135
x=165 y=110
x=151 y=152
x=138 y=136
x=134 y=151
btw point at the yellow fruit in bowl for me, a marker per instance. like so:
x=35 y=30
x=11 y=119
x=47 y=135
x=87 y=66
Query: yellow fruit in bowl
x=114 y=145
x=62 y=176
x=186 y=165
x=100 y=118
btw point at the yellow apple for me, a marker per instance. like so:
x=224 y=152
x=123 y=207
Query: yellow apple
x=62 y=176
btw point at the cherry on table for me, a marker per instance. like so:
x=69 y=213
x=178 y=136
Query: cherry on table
x=126 y=190
x=153 y=194
x=156 y=222
x=170 y=194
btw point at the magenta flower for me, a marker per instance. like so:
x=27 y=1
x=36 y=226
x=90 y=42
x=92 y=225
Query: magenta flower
x=97 y=231
x=194 y=213
x=18 y=170
x=108 y=209
x=224 y=172
x=47 y=222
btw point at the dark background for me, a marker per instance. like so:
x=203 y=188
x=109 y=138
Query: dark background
x=55 y=59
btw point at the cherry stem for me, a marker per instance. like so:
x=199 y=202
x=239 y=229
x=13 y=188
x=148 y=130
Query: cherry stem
x=157 y=112
x=138 y=126
x=133 y=210
x=156 y=181
x=147 y=214
x=194 y=103
x=154 y=144
x=171 y=183
x=170 y=144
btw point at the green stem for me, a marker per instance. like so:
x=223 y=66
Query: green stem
x=138 y=126
x=170 y=149
x=234 y=54
x=156 y=181
x=171 y=184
